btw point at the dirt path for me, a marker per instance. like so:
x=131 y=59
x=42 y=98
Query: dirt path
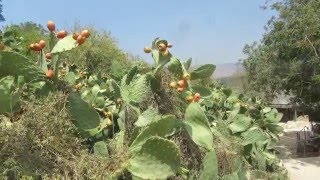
x=298 y=168
x=303 y=168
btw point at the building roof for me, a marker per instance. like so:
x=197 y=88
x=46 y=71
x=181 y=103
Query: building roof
x=282 y=100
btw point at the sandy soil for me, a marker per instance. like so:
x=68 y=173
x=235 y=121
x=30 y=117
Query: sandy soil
x=303 y=168
x=306 y=168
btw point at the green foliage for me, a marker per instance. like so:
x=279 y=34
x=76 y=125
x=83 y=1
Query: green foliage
x=154 y=84
x=253 y=135
x=100 y=149
x=100 y=54
x=43 y=64
x=65 y=44
x=287 y=58
x=15 y=64
x=158 y=159
x=147 y=117
x=210 y=166
x=114 y=87
x=176 y=68
x=250 y=123
x=240 y=123
x=9 y=98
x=1 y=16
x=204 y=71
x=187 y=64
x=85 y=117
x=273 y=116
x=137 y=143
x=136 y=91
x=132 y=72
x=203 y=91
x=161 y=128
x=198 y=127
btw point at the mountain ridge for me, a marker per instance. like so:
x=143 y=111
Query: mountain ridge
x=226 y=70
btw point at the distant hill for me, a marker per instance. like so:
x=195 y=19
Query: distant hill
x=226 y=70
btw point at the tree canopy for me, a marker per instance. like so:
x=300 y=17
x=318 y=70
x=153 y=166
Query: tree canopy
x=287 y=57
x=1 y=16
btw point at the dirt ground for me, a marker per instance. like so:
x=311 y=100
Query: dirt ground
x=299 y=167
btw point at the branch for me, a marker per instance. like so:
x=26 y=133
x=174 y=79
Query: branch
x=315 y=51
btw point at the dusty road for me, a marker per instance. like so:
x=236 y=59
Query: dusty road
x=303 y=168
x=298 y=168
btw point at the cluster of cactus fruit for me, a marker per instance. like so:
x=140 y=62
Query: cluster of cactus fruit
x=100 y=108
x=180 y=87
x=80 y=38
x=38 y=46
x=162 y=47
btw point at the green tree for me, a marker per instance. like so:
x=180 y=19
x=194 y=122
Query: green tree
x=1 y=16
x=287 y=57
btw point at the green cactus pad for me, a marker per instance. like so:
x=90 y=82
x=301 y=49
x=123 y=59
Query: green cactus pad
x=100 y=149
x=136 y=91
x=240 y=123
x=147 y=117
x=114 y=87
x=14 y=64
x=203 y=91
x=274 y=128
x=273 y=116
x=162 y=127
x=158 y=159
x=253 y=135
x=86 y=119
x=234 y=112
x=176 y=68
x=210 y=166
x=197 y=126
x=187 y=64
x=9 y=100
x=71 y=77
x=232 y=176
x=132 y=72
x=154 y=84
x=204 y=71
x=64 y=44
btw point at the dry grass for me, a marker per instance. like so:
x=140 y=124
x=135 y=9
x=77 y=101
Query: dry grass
x=44 y=141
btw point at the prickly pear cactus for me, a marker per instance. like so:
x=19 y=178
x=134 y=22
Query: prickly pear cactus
x=176 y=68
x=136 y=91
x=114 y=88
x=100 y=149
x=158 y=158
x=197 y=126
x=187 y=64
x=210 y=166
x=86 y=119
x=9 y=99
x=240 y=123
x=64 y=44
x=161 y=128
x=253 y=135
x=132 y=72
x=14 y=64
x=147 y=117
x=204 y=71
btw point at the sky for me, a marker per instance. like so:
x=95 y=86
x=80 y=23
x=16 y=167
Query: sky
x=209 y=31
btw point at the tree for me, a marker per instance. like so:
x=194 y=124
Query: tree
x=287 y=57
x=1 y=16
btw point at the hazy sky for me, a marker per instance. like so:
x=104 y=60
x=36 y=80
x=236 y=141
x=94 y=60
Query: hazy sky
x=209 y=31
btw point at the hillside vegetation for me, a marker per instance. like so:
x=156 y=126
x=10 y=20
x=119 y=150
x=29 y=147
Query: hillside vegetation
x=73 y=106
